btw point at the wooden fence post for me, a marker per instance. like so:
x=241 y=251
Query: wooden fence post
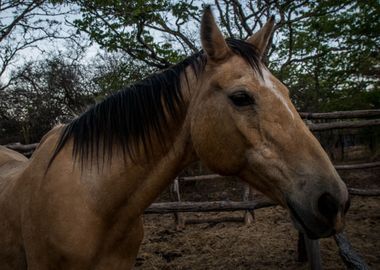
x=249 y=216
x=313 y=253
x=301 y=248
x=176 y=196
x=309 y=250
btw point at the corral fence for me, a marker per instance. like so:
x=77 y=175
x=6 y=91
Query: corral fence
x=308 y=250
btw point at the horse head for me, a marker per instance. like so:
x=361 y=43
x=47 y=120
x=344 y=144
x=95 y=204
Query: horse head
x=243 y=123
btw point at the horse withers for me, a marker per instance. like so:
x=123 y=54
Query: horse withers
x=78 y=203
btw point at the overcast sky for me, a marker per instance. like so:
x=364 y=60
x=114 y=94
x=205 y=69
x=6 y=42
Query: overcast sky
x=44 y=47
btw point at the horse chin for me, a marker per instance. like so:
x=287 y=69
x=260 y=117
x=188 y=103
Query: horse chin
x=301 y=228
x=310 y=226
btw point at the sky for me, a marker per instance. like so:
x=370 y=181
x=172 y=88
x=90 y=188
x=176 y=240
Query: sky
x=45 y=47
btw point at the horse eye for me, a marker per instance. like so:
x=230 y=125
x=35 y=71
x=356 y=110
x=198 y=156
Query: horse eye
x=241 y=99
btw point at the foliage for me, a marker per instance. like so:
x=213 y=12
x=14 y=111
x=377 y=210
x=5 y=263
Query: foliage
x=114 y=71
x=42 y=94
x=332 y=60
x=132 y=26
x=28 y=25
x=326 y=52
x=56 y=89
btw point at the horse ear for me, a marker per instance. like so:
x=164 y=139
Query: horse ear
x=261 y=38
x=213 y=42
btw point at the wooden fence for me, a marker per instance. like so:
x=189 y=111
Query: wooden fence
x=307 y=249
x=358 y=114
x=248 y=205
x=341 y=114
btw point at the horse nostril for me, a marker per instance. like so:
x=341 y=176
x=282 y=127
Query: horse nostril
x=328 y=206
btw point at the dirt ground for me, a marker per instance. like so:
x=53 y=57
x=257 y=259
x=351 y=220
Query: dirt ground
x=269 y=243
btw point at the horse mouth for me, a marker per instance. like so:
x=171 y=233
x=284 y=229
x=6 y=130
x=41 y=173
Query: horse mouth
x=301 y=225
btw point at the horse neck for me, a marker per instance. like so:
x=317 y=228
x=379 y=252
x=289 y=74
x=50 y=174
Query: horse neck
x=137 y=186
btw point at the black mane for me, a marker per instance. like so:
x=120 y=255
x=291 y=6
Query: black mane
x=137 y=113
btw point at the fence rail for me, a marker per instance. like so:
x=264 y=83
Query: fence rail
x=338 y=167
x=357 y=166
x=28 y=148
x=215 y=206
x=343 y=124
x=364 y=192
x=230 y=206
x=341 y=114
x=22 y=147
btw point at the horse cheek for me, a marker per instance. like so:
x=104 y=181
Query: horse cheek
x=218 y=143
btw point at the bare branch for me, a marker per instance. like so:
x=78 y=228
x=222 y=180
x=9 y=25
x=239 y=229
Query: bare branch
x=242 y=17
x=8 y=29
x=165 y=28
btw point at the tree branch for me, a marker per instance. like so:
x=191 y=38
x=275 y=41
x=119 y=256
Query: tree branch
x=6 y=30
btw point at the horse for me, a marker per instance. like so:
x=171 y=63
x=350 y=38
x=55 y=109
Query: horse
x=78 y=203
x=10 y=162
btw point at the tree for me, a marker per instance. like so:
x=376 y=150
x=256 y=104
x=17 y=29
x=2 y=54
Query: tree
x=114 y=71
x=132 y=26
x=56 y=89
x=42 y=94
x=325 y=51
x=332 y=59
x=26 y=24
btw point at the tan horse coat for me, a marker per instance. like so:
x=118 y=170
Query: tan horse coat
x=237 y=122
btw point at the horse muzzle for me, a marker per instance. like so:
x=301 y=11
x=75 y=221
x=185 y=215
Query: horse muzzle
x=324 y=220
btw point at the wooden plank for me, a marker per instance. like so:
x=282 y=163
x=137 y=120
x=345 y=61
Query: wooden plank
x=364 y=192
x=341 y=114
x=214 y=220
x=22 y=147
x=343 y=125
x=357 y=166
x=216 y=206
x=225 y=206
x=201 y=177
x=338 y=167
x=349 y=256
